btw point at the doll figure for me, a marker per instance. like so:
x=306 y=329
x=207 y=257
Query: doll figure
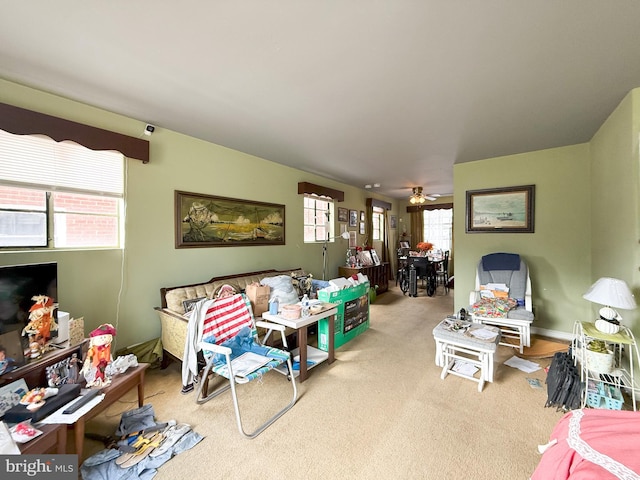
x=98 y=356
x=6 y=363
x=41 y=320
x=74 y=369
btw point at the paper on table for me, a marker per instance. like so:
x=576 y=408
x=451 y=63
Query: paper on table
x=8 y=445
x=521 y=364
x=484 y=334
x=59 y=417
x=465 y=368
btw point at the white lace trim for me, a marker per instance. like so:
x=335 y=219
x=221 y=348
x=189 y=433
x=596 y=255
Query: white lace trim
x=588 y=453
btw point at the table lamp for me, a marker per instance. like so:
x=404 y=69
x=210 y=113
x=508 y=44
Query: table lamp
x=612 y=293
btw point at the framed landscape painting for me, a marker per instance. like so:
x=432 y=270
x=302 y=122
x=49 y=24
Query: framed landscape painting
x=501 y=210
x=210 y=221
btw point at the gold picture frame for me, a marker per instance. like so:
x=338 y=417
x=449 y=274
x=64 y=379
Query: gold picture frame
x=211 y=221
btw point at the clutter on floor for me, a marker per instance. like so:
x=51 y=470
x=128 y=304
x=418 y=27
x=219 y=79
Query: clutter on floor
x=140 y=446
x=522 y=364
x=564 y=388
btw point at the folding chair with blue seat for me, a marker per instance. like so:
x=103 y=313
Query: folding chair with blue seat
x=511 y=270
x=228 y=330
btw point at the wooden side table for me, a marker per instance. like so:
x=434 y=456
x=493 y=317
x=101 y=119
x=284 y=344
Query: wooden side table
x=378 y=275
x=52 y=440
x=120 y=385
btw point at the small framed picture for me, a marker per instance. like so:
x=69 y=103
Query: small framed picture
x=353 y=218
x=404 y=244
x=343 y=214
x=11 y=394
x=374 y=257
x=353 y=239
x=362 y=215
x=365 y=258
x=361 y=228
x=393 y=221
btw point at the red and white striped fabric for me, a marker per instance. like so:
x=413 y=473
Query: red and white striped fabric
x=226 y=317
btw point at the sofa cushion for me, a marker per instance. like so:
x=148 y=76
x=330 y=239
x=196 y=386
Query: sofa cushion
x=176 y=296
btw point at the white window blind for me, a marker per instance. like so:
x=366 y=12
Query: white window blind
x=41 y=162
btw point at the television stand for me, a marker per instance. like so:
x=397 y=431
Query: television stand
x=34 y=373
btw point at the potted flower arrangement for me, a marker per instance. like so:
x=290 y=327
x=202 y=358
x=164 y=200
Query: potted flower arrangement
x=599 y=359
x=424 y=247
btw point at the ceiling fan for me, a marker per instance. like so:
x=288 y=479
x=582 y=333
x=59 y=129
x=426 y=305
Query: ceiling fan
x=418 y=198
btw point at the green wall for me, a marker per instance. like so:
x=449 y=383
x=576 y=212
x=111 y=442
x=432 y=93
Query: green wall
x=614 y=202
x=587 y=222
x=558 y=253
x=90 y=281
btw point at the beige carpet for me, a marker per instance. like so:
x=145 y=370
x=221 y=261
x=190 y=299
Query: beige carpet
x=380 y=411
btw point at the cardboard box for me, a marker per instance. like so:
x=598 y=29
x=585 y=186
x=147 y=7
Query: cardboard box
x=259 y=297
x=352 y=317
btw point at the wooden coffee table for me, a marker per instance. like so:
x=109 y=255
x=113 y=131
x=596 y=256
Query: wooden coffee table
x=52 y=440
x=120 y=384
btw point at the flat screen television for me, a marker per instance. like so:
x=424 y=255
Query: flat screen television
x=18 y=284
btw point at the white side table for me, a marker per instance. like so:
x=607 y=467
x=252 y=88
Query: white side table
x=308 y=352
x=452 y=345
x=620 y=376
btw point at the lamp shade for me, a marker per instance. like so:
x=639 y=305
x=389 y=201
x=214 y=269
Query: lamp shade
x=612 y=293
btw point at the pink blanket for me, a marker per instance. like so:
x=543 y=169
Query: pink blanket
x=593 y=444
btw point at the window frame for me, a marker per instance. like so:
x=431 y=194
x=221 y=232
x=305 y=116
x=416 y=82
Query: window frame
x=377 y=214
x=82 y=188
x=52 y=227
x=326 y=225
x=426 y=225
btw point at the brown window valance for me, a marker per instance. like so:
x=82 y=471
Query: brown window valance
x=306 y=187
x=374 y=202
x=434 y=206
x=20 y=121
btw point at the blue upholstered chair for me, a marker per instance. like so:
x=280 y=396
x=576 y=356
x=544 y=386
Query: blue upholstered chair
x=511 y=270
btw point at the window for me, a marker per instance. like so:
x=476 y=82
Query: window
x=318 y=215
x=377 y=224
x=59 y=195
x=437 y=227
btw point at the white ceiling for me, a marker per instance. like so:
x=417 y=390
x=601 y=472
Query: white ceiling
x=361 y=91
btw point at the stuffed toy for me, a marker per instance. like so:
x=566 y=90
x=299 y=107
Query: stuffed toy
x=99 y=356
x=302 y=284
x=41 y=321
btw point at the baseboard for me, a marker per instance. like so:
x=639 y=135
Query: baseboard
x=555 y=334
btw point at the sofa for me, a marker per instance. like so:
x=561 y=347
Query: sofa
x=172 y=310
